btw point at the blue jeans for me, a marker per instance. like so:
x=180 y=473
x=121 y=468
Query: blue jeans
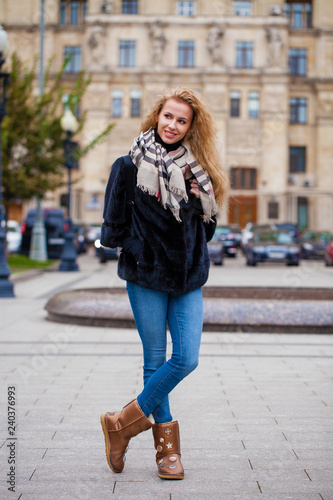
x=152 y=311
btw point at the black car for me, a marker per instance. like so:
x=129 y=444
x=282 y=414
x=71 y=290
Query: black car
x=105 y=253
x=228 y=237
x=55 y=226
x=313 y=244
x=215 y=250
x=236 y=230
x=80 y=240
x=272 y=246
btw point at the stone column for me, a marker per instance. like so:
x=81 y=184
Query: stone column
x=274 y=136
x=215 y=93
x=324 y=158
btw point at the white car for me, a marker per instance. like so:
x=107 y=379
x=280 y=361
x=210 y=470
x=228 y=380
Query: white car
x=13 y=236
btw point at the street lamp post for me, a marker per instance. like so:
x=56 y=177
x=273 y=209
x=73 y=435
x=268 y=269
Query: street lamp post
x=38 y=250
x=69 y=125
x=6 y=286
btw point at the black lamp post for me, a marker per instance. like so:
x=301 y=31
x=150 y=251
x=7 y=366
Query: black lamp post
x=69 y=125
x=6 y=286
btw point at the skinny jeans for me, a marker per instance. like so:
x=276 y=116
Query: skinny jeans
x=152 y=311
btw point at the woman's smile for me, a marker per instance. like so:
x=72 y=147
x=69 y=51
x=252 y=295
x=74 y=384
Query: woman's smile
x=169 y=134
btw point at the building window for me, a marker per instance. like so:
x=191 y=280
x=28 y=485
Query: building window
x=127 y=53
x=302 y=212
x=299 y=14
x=297 y=159
x=253 y=178
x=72 y=12
x=186 y=8
x=298 y=110
x=117 y=100
x=243 y=178
x=136 y=103
x=297 y=61
x=234 y=103
x=273 y=210
x=244 y=54
x=74 y=64
x=185 y=54
x=253 y=104
x=62 y=12
x=242 y=8
x=129 y=7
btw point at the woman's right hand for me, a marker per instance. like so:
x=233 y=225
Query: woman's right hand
x=194 y=187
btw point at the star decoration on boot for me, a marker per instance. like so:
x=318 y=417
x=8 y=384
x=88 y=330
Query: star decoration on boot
x=169 y=445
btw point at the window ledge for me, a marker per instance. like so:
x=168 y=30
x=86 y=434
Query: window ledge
x=304 y=31
x=70 y=27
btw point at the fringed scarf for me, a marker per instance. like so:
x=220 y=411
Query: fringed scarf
x=163 y=174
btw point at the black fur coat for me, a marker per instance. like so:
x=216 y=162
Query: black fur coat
x=158 y=252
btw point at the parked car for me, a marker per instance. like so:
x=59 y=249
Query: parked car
x=80 y=241
x=293 y=229
x=216 y=251
x=55 y=226
x=250 y=228
x=313 y=244
x=13 y=236
x=328 y=254
x=225 y=234
x=93 y=233
x=272 y=246
x=105 y=253
x=237 y=233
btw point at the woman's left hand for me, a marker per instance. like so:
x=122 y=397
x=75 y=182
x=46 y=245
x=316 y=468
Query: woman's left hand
x=194 y=187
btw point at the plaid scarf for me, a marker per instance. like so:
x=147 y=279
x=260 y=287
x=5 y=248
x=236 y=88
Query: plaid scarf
x=163 y=174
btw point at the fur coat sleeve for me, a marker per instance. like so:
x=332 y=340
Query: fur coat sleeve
x=115 y=227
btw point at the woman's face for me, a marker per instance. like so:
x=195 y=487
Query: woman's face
x=174 y=120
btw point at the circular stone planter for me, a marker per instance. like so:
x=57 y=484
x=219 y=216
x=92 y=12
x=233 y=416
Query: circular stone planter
x=245 y=309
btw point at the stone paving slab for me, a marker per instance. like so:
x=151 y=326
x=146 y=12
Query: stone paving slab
x=240 y=451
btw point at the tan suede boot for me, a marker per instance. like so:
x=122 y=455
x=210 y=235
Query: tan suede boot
x=119 y=428
x=167 y=445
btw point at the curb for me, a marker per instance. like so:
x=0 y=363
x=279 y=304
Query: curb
x=32 y=273
x=26 y=275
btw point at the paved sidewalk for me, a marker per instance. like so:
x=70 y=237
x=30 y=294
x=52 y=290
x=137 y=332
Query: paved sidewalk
x=255 y=417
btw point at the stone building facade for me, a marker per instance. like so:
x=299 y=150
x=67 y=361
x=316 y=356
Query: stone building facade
x=265 y=67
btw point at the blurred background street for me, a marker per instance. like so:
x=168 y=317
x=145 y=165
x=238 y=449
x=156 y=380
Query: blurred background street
x=234 y=272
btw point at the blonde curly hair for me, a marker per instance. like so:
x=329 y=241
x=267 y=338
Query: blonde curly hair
x=201 y=137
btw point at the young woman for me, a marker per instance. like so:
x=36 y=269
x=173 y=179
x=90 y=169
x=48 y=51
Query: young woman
x=178 y=185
